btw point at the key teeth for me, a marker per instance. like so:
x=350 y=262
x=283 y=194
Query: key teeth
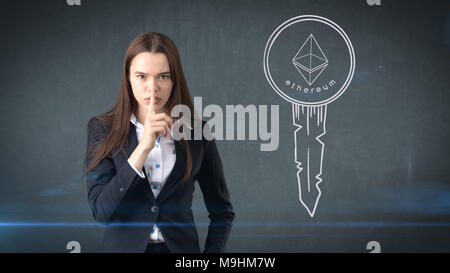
x=314 y=203
x=313 y=119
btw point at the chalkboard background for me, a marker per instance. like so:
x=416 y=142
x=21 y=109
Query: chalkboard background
x=386 y=170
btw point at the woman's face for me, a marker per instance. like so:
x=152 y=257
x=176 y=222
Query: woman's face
x=150 y=74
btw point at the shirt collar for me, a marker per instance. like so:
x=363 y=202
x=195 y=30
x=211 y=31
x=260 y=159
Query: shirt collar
x=136 y=123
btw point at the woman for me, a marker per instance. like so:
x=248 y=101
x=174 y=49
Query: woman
x=140 y=180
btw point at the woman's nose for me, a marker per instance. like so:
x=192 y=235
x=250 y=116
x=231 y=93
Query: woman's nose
x=152 y=87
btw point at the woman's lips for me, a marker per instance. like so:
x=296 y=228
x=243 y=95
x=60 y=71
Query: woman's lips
x=156 y=100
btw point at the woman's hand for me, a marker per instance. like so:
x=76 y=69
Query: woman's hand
x=154 y=125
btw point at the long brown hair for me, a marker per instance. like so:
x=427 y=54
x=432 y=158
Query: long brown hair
x=118 y=117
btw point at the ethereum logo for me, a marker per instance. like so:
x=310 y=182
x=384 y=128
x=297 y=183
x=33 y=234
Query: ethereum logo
x=310 y=60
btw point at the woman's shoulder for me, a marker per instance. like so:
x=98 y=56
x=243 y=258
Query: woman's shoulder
x=97 y=126
x=94 y=123
x=100 y=121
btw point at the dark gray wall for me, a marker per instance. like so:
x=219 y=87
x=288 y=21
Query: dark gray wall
x=386 y=171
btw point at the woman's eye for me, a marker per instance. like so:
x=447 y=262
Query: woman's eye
x=140 y=76
x=164 y=77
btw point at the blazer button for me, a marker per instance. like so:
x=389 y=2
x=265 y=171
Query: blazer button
x=121 y=189
x=154 y=209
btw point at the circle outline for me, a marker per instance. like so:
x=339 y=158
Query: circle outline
x=295 y=20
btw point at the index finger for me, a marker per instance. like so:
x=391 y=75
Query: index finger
x=151 y=107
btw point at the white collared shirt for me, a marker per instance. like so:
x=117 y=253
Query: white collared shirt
x=158 y=165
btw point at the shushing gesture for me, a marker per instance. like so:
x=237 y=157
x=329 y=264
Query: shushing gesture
x=155 y=125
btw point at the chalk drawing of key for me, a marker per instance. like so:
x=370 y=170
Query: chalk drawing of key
x=309 y=61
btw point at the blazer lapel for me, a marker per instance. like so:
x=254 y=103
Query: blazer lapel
x=176 y=173
x=129 y=148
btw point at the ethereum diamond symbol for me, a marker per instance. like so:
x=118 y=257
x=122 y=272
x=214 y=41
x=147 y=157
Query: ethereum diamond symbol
x=310 y=60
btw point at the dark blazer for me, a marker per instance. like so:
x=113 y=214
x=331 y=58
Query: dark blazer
x=123 y=201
